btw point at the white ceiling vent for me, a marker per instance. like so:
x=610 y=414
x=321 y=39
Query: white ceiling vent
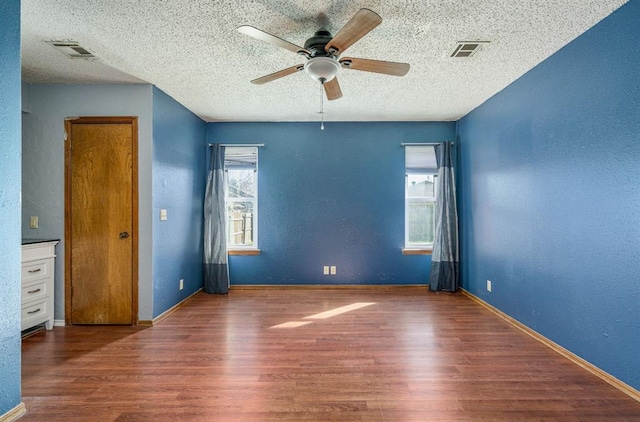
x=72 y=49
x=467 y=48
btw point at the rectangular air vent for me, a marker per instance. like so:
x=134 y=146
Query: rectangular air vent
x=72 y=49
x=467 y=48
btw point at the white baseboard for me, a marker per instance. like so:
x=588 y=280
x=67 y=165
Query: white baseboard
x=58 y=323
x=14 y=413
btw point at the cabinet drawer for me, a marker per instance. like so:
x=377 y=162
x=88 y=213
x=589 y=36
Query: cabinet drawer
x=35 y=291
x=35 y=270
x=35 y=251
x=35 y=313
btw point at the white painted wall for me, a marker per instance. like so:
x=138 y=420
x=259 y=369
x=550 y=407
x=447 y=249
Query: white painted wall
x=43 y=167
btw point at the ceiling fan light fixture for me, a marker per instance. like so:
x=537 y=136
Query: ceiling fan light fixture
x=322 y=68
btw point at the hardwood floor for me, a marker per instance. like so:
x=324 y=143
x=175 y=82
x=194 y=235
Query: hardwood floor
x=407 y=355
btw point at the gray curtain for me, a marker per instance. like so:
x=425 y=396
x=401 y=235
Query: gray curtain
x=445 y=270
x=216 y=267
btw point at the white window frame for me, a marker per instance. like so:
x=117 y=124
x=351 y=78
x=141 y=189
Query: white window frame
x=419 y=199
x=432 y=171
x=253 y=201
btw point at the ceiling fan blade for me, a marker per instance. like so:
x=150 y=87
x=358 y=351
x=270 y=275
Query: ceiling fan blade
x=359 y=25
x=277 y=75
x=332 y=89
x=271 y=39
x=376 y=66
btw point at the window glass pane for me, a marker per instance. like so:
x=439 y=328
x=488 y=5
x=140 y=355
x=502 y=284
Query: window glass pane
x=420 y=185
x=240 y=223
x=240 y=184
x=421 y=221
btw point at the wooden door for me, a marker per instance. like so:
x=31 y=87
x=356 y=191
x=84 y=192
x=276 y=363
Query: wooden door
x=101 y=220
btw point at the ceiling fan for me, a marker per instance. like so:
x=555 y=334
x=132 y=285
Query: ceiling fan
x=323 y=52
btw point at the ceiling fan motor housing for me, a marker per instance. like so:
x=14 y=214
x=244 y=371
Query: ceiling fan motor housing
x=316 y=43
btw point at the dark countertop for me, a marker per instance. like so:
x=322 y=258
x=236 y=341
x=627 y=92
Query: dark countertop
x=32 y=241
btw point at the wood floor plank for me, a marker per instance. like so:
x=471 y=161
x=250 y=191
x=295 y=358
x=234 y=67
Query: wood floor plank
x=409 y=355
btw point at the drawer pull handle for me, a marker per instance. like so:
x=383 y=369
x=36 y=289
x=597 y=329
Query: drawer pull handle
x=37 y=270
x=33 y=291
x=34 y=312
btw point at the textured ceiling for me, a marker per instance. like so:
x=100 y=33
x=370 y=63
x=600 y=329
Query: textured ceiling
x=191 y=50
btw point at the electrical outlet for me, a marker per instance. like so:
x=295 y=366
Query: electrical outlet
x=181 y=284
x=333 y=270
x=163 y=215
x=488 y=285
x=34 y=222
x=326 y=270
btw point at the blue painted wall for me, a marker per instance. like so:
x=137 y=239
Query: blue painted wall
x=43 y=166
x=550 y=193
x=10 y=105
x=179 y=152
x=332 y=197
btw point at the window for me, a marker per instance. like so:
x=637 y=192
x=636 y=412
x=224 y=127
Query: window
x=420 y=196
x=241 y=171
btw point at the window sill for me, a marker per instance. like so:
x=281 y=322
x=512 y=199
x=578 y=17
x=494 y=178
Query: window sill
x=244 y=252
x=416 y=251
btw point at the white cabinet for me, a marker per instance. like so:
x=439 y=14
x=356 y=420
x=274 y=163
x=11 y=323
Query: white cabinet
x=38 y=267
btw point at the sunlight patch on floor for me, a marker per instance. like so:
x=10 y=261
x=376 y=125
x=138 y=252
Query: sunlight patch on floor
x=325 y=315
x=341 y=310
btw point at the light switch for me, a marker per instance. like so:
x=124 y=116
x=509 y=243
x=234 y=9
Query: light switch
x=34 y=222
x=163 y=215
